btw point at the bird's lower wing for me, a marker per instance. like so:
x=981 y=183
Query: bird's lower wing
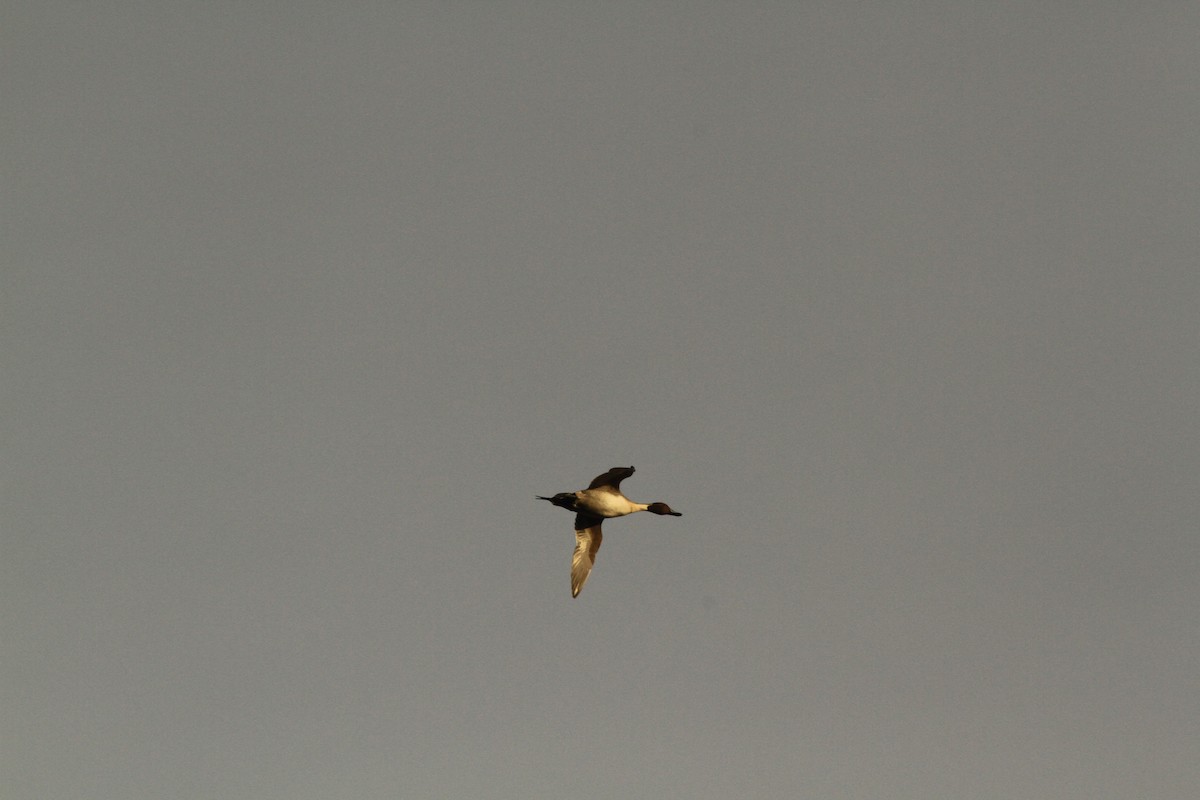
x=587 y=544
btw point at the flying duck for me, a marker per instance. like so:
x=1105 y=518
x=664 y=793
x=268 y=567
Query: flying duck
x=599 y=501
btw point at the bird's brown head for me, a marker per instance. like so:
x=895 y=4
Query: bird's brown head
x=662 y=509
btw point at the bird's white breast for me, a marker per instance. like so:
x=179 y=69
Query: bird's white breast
x=607 y=504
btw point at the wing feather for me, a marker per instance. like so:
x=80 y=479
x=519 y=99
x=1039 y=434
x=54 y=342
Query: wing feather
x=611 y=478
x=587 y=544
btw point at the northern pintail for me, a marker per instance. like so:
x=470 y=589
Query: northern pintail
x=601 y=500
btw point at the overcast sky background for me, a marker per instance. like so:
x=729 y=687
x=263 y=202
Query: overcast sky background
x=303 y=303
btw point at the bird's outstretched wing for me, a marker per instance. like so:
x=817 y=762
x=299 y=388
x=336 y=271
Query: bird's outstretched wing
x=611 y=478
x=587 y=544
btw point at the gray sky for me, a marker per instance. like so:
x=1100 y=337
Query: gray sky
x=304 y=302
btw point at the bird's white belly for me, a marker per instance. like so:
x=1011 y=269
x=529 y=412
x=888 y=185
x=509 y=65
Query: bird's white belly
x=607 y=504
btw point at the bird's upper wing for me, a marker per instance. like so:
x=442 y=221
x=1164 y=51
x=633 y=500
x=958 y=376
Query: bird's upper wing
x=587 y=544
x=611 y=478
